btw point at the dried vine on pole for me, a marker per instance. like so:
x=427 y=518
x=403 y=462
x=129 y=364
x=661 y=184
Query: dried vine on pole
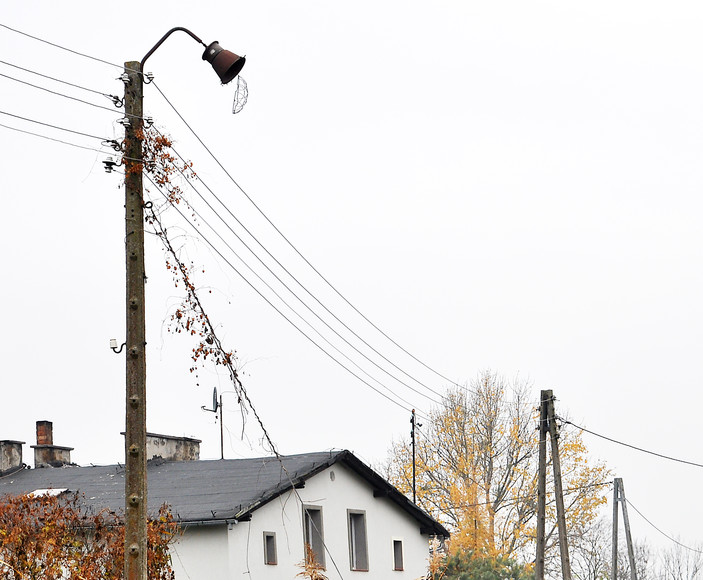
x=190 y=317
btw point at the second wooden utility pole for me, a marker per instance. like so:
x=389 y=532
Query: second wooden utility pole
x=558 y=492
x=542 y=484
x=619 y=498
x=414 y=423
x=548 y=425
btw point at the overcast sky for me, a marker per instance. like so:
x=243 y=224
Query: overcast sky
x=512 y=186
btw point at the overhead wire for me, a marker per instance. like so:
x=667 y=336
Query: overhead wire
x=292 y=292
x=51 y=126
x=59 y=46
x=662 y=456
x=229 y=263
x=51 y=138
x=660 y=531
x=111 y=97
x=65 y=96
x=295 y=249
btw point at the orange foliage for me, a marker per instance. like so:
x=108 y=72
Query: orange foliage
x=57 y=537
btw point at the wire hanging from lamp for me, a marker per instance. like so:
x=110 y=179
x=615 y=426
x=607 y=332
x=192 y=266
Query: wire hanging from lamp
x=241 y=94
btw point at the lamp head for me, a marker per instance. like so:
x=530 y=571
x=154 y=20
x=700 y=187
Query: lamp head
x=226 y=64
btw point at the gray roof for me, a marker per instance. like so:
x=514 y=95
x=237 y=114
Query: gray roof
x=208 y=492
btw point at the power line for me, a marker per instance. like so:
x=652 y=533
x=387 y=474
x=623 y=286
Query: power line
x=59 y=46
x=304 y=288
x=200 y=217
x=295 y=249
x=197 y=230
x=52 y=126
x=113 y=98
x=51 y=138
x=632 y=446
x=661 y=532
x=65 y=96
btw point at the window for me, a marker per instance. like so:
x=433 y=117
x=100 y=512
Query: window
x=313 y=533
x=397 y=554
x=358 y=549
x=270 y=556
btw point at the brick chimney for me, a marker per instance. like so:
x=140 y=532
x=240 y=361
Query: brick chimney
x=10 y=456
x=46 y=454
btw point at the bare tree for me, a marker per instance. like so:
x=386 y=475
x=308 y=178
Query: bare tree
x=681 y=563
x=590 y=554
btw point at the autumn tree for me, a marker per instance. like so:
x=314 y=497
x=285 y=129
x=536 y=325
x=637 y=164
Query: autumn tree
x=476 y=471
x=57 y=537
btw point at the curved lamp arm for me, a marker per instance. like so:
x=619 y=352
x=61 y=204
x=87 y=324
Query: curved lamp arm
x=226 y=64
x=164 y=37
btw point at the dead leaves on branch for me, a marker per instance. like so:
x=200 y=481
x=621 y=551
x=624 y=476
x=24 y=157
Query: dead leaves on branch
x=58 y=537
x=189 y=317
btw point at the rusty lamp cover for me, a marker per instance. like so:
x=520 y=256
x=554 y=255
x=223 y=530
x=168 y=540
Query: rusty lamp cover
x=226 y=64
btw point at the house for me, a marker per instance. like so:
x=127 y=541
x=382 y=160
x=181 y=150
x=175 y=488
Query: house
x=254 y=516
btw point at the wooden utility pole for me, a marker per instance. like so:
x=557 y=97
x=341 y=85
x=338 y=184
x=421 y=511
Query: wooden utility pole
x=413 y=422
x=135 y=430
x=614 y=557
x=558 y=492
x=542 y=484
x=619 y=497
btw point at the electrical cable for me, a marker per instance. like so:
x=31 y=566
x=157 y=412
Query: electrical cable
x=52 y=126
x=59 y=46
x=111 y=97
x=660 y=531
x=534 y=496
x=291 y=291
x=51 y=138
x=113 y=110
x=631 y=446
x=199 y=216
x=306 y=290
x=295 y=249
x=197 y=230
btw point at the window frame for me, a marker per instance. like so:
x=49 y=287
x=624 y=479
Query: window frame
x=398 y=548
x=317 y=531
x=354 y=517
x=267 y=549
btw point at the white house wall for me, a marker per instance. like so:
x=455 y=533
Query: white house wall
x=336 y=490
x=201 y=553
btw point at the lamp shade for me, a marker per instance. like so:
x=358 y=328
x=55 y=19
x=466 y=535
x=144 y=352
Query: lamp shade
x=226 y=64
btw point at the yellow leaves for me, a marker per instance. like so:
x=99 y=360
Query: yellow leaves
x=477 y=469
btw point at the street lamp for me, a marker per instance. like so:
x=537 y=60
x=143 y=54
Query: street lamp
x=227 y=65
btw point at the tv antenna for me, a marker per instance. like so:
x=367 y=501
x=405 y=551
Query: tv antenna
x=217 y=405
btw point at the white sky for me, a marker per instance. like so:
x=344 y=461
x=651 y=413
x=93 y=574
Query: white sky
x=504 y=185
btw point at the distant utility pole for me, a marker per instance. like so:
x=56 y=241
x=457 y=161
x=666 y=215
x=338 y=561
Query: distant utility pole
x=619 y=497
x=548 y=424
x=414 y=423
x=558 y=492
x=542 y=484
